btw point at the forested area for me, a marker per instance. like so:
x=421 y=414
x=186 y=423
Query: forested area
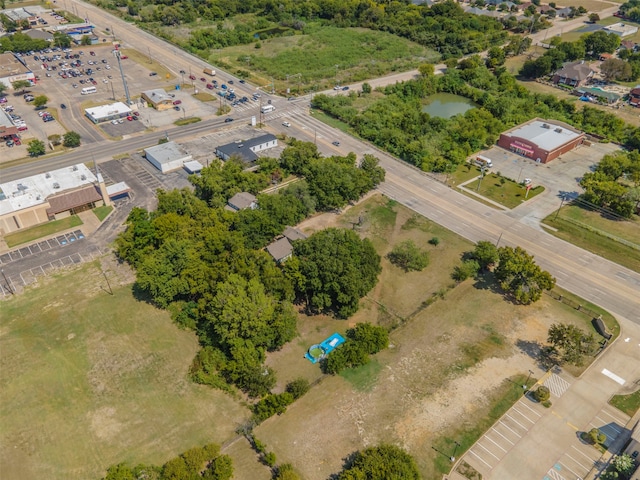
x=397 y=123
x=631 y=10
x=208 y=267
x=445 y=27
x=199 y=462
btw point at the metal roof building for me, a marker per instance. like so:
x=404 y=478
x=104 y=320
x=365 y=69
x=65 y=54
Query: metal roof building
x=621 y=29
x=541 y=140
x=247 y=149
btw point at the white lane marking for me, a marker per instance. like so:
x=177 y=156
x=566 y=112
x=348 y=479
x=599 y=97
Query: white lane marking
x=521 y=426
x=507 y=427
x=613 y=376
x=531 y=410
x=488 y=438
x=583 y=454
x=523 y=415
x=617 y=419
x=488 y=451
x=578 y=463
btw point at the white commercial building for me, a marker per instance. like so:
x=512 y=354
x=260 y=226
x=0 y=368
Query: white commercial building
x=104 y=113
x=167 y=157
x=621 y=29
x=12 y=70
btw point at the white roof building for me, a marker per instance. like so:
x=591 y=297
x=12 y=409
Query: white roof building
x=103 y=113
x=545 y=135
x=167 y=157
x=24 y=202
x=621 y=29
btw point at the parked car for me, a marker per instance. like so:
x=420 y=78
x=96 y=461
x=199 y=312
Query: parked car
x=22 y=128
x=286 y=124
x=153 y=74
x=202 y=79
x=9 y=143
x=345 y=88
x=93 y=54
x=242 y=81
x=209 y=86
x=41 y=107
x=192 y=77
x=182 y=72
x=177 y=102
x=227 y=120
x=63 y=106
x=130 y=118
x=176 y=108
x=336 y=143
x=230 y=82
x=114 y=122
x=123 y=57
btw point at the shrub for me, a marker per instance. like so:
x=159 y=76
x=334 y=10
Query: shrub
x=542 y=394
x=435 y=241
x=408 y=256
x=270 y=459
x=271 y=405
x=468 y=269
x=596 y=436
x=286 y=472
x=298 y=387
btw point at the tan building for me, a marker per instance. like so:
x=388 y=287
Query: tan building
x=158 y=99
x=48 y=196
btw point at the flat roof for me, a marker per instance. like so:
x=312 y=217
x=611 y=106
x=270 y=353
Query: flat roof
x=28 y=192
x=118 y=189
x=193 y=166
x=621 y=28
x=5 y=119
x=102 y=111
x=545 y=134
x=167 y=152
x=10 y=65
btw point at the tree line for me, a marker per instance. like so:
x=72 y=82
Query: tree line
x=207 y=266
x=397 y=124
x=444 y=27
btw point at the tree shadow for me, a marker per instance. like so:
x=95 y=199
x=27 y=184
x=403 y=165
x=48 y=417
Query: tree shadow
x=141 y=294
x=487 y=281
x=531 y=348
x=568 y=196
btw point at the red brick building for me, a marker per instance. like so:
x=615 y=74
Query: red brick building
x=541 y=140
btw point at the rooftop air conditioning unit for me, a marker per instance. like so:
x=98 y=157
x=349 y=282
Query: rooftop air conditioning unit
x=558 y=130
x=545 y=125
x=56 y=185
x=75 y=167
x=83 y=177
x=47 y=175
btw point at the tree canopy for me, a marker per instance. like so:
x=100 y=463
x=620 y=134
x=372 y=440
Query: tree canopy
x=384 y=462
x=520 y=276
x=334 y=269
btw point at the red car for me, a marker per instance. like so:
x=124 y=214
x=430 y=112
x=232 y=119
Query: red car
x=22 y=128
x=130 y=118
x=16 y=140
x=123 y=57
x=209 y=86
x=192 y=77
x=202 y=79
x=177 y=102
x=137 y=114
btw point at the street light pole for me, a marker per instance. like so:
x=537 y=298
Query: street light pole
x=481 y=177
x=526 y=384
x=559 y=208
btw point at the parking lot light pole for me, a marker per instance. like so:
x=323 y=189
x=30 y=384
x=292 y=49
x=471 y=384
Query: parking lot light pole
x=525 y=387
x=455 y=449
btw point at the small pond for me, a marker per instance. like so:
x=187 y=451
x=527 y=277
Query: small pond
x=446 y=105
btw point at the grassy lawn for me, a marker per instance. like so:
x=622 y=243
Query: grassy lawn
x=204 y=97
x=583 y=236
x=628 y=404
x=44 y=230
x=103 y=211
x=503 y=190
x=187 y=121
x=359 y=53
x=95 y=379
x=442 y=335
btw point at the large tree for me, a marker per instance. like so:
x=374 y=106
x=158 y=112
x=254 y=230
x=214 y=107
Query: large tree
x=335 y=268
x=384 y=462
x=569 y=344
x=36 y=148
x=520 y=276
x=71 y=139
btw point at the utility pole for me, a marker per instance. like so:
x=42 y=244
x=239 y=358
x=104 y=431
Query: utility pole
x=113 y=93
x=480 y=179
x=8 y=284
x=124 y=81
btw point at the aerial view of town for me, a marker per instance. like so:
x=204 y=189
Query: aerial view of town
x=319 y=239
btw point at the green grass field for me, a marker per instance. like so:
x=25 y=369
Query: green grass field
x=577 y=225
x=324 y=56
x=103 y=211
x=44 y=230
x=628 y=404
x=503 y=190
x=89 y=379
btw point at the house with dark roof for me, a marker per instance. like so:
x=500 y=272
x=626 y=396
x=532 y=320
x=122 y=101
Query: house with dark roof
x=564 y=12
x=294 y=234
x=39 y=35
x=282 y=248
x=634 y=97
x=242 y=200
x=247 y=150
x=573 y=74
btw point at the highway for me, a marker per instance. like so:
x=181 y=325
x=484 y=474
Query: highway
x=602 y=282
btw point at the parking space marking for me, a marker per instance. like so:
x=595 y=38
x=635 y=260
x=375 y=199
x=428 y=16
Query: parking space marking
x=516 y=422
x=480 y=458
x=488 y=451
x=567 y=468
x=493 y=428
x=582 y=453
x=530 y=409
x=582 y=465
x=523 y=415
x=552 y=474
x=608 y=425
x=515 y=433
x=489 y=438
x=616 y=418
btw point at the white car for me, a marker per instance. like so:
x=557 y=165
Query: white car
x=43 y=113
x=114 y=122
x=286 y=124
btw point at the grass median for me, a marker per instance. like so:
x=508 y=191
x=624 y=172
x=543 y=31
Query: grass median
x=39 y=231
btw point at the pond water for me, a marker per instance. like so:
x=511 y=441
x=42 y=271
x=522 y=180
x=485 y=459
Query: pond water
x=446 y=105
